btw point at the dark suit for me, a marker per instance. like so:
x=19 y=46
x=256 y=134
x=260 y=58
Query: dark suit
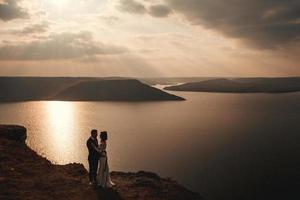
x=93 y=158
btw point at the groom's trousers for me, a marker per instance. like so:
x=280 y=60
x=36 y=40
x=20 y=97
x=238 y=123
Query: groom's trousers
x=93 y=167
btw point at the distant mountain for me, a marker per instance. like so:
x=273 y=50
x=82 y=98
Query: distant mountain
x=79 y=89
x=242 y=85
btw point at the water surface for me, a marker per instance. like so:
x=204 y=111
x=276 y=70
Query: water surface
x=221 y=145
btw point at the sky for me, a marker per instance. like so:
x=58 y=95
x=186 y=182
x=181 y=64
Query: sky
x=150 y=38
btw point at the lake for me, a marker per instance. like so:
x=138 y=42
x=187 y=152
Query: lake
x=224 y=146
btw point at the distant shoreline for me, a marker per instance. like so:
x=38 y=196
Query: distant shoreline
x=241 y=85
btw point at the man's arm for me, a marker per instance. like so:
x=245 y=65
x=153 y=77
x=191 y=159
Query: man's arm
x=99 y=150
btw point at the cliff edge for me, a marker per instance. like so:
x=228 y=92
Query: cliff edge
x=26 y=175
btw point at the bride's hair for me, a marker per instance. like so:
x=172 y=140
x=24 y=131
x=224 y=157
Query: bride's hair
x=103 y=135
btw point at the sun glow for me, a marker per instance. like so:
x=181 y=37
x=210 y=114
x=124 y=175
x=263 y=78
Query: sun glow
x=58 y=3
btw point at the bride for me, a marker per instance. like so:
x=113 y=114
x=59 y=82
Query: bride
x=103 y=176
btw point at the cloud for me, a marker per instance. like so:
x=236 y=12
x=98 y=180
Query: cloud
x=35 y=28
x=159 y=10
x=135 y=7
x=9 y=10
x=262 y=23
x=109 y=19
x=28 y=30
x=132 y=6
x=59 y=46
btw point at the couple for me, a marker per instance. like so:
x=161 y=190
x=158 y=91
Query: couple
x=98 y=166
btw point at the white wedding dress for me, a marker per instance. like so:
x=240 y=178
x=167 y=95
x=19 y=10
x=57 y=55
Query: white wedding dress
x=103 y=176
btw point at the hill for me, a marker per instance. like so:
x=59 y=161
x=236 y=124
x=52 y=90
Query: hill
x=241 y=85
x=79 y=89
x=114 y=90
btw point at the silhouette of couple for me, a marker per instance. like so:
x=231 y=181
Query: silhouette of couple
x=98 y=166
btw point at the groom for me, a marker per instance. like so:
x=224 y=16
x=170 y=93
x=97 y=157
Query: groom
x=93 y=157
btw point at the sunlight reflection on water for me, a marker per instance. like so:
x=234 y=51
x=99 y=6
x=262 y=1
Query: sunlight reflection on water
x=61 y=120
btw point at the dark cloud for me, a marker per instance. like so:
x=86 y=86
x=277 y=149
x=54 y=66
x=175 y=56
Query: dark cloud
x=262 y=23
x=10 y=10
x=159 y=10
x=31 y=30
x=35 y=28
x=132 y=6
x=60 y=46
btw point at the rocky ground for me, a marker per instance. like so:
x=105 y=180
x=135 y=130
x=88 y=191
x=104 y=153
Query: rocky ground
x=26 y=175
